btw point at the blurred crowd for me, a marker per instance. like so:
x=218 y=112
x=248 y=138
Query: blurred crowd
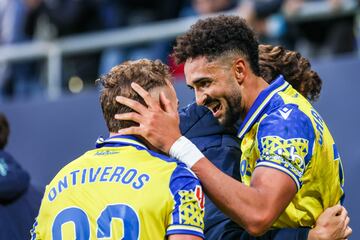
x=275 y=21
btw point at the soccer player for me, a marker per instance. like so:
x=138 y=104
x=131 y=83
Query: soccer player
x=290 y=166
x=221 y=148
x=124 y=189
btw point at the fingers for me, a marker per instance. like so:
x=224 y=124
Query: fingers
x=166 y=104
x=346 y=227
x=343 y=214
x=130 y=131
x=134 y=105
x=348 y=232
x=131 y=116
x=145 y=95
x=347 y=221
x=335 y=210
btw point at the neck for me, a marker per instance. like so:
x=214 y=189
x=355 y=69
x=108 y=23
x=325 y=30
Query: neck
x=251 y=90
x=141 y=139
x=112 y=134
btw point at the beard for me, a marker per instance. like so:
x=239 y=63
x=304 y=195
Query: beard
x=232 y=112
x=231 y=105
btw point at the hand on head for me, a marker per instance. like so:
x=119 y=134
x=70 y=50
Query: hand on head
x=158 y=122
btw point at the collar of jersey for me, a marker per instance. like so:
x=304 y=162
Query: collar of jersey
x=279 y=84
x=119 y=141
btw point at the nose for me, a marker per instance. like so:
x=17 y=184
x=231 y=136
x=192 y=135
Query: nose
x=200 y=98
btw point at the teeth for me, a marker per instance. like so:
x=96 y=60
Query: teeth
x=214 y=106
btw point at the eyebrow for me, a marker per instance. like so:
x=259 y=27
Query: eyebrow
x=200 y=80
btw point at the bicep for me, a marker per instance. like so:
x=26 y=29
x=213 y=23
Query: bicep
x=276 y=187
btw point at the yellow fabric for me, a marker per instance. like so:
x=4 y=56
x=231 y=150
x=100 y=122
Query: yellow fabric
x=135 y=182
x=289 y=135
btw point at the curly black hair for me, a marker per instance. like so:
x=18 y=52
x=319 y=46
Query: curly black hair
x=296 y=69
x=215 y=36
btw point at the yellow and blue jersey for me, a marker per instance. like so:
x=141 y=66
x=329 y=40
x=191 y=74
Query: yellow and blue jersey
x=121 y=190
x=283 y=131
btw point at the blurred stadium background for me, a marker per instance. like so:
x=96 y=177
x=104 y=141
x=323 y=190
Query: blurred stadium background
x=51 y=52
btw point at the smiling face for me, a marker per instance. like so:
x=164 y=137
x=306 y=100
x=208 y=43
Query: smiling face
x=216 y=88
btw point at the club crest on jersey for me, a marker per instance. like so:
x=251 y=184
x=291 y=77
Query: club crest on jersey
x=200 y=196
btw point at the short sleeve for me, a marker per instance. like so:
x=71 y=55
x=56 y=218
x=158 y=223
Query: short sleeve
x=285 y=140
x=187 y=216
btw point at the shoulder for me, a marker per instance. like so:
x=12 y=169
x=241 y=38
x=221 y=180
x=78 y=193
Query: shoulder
x=182 y=178
x=161 y=156
x=182 y=171
x=286 y=121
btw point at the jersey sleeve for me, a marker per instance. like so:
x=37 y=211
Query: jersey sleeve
x=285 y=141
x=187 y=216
x=34 y=232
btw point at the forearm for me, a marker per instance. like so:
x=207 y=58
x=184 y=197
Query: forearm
x=247 y=206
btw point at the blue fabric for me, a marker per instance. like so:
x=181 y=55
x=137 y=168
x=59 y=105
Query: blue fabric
x=116 y=141
x=223 y=150
x=260 y=104
x=13 y=179
x=19 y=201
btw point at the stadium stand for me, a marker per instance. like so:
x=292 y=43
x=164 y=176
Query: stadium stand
x=50 y=129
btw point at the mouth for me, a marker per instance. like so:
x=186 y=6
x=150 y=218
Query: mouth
x=215 y=108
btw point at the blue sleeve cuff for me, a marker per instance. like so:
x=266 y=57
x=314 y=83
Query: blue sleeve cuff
x=185 y=229
x=280 y=167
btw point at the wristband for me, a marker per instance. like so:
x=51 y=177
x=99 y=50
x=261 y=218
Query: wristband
x=185 y=151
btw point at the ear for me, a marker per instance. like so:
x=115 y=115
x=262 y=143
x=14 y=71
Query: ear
x=240 y=70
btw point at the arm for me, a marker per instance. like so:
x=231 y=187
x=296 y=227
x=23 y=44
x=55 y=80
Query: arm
x=255 y=207
x=186 y=214
x=221 y=149
x=333 y=223
x=184 y=237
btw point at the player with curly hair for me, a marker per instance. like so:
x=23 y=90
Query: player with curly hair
x=290 y=167
x=221 y=148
